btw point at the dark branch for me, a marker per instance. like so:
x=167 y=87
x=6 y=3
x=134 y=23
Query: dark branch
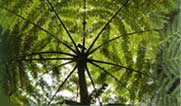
x=84 y=24
x=38 y=26
x=108 y=73
x=83 y=44
x=48 y=52
x=44 y=59
x=84 y=17
x=65 y=28
x=115 y=14
x=52 y=69
x=113 y=39
x=130 y=69
x=77 y=92
x=88 y=72
x=61 y=85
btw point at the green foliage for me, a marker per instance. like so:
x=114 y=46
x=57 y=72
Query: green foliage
x=169 y=63
x=136 y=42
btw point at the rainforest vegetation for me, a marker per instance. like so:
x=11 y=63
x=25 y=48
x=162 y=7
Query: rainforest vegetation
x=89 y=52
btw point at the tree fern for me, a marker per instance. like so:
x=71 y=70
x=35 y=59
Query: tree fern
x=169 y=62
x=94 y=38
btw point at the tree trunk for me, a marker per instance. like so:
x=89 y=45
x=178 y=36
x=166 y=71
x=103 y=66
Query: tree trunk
x=84 y=96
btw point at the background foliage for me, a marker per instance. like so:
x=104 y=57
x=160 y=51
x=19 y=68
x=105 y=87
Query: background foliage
x=29 y=27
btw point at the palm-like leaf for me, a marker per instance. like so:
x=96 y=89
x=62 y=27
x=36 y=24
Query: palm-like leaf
x=115 y=37
x=169 y=63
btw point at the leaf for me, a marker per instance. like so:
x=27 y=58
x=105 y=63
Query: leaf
x=41 y=40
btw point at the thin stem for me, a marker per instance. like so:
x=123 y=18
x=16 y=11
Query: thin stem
x=92 y=81
x=115 y=38
x=84 y=24
x=65 y=28
x=115 y=14
x=38 y=26
x=48 y=52
x=108 y=63
x=84 y=17
x=77 y=93
x=61 y=85
x=108 y=73
x=83 y=48
x=52 y=69
x=44 y=59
